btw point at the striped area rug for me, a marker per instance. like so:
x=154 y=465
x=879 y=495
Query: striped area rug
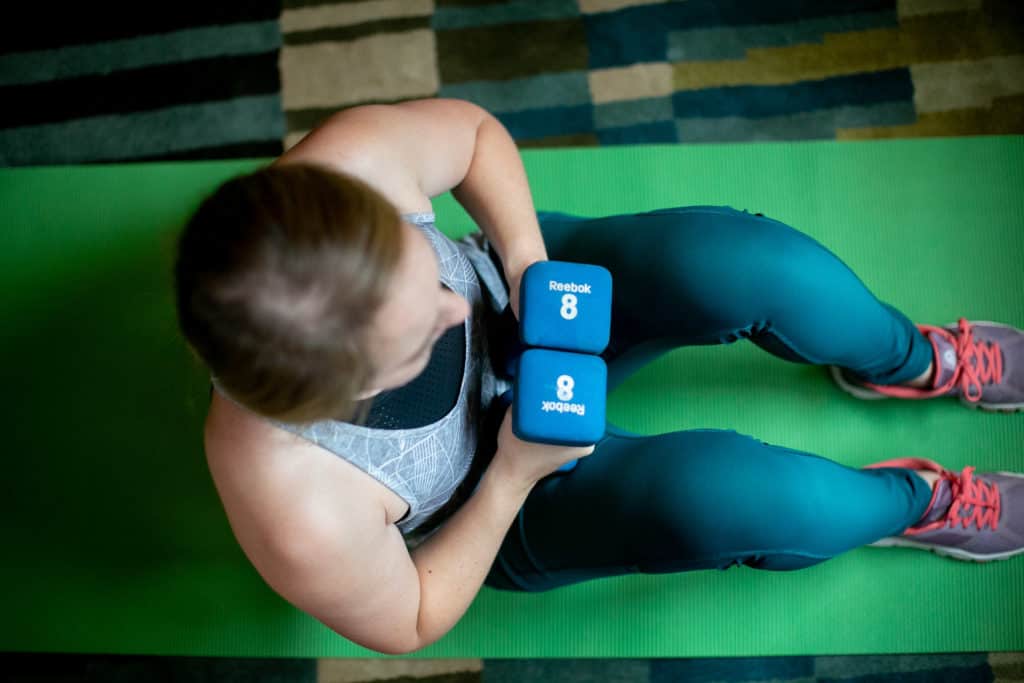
x=195 y=80
x=599 y=72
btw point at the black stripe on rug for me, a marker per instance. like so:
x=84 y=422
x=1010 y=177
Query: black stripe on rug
x=345 y=33
x=43 y=26
x=144 y=89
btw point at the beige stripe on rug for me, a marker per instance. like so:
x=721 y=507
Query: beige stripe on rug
x=361 y=670
x=387 y=66
x=298 y=19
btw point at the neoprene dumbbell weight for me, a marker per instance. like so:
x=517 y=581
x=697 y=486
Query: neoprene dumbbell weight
x=560 y=391
x=560 y=397
x=565 y=306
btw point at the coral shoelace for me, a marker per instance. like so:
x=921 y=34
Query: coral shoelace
x=968 y=491
x=987 y=368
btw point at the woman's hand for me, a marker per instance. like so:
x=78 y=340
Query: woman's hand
x=524 y=463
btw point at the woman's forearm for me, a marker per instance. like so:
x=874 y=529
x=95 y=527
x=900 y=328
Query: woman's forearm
x=496 y=193
x=454 y=561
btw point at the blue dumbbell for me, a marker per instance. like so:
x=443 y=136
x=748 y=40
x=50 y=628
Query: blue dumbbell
x=565 y=306
x=560 y=398
x=581 y=422
x=576 y=422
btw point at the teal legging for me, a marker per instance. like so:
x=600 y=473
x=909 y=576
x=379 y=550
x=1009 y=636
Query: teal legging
x=696 y=499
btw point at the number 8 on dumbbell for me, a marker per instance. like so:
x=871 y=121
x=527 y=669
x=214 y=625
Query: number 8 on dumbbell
x=569 y=310
x=565 y=384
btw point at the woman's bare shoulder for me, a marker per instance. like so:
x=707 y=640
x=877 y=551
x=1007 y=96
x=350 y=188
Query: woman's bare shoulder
x=352 y=142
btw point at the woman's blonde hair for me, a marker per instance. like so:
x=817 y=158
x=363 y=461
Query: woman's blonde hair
x=278 y=276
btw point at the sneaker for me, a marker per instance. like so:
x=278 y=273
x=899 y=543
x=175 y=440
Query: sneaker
x=981 y=362
x=976 y=517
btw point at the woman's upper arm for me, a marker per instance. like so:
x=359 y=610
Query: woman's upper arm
x=359 y=580
x=421 y=147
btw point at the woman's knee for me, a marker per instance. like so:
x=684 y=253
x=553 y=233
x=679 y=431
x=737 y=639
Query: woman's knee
x=689 y=475
x=716 y=490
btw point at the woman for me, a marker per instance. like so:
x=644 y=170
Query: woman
x=356 y=438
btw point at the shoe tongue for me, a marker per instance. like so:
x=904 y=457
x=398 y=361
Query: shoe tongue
x=947 y=359
x=942 y=502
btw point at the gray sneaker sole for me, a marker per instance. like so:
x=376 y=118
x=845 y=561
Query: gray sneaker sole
x=955 y=553
x=872 y=395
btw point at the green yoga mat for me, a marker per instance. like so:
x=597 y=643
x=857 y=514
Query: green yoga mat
x=114 y=540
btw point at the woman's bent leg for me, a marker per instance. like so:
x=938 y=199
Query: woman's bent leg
x=699 y=499
x=713 y=275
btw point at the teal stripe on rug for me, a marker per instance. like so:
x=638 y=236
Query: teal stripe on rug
x=515 y=11
x=633 y=112
x=843 y=667
x=734 y=670
x=980 y=674
x=653 y=133
x=732 y=42
x=812 y=125
x=123 y=137
x=540 y=123
x=132 y=53
x=565 y=89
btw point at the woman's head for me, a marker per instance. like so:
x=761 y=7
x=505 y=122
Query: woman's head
x=293 y=287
